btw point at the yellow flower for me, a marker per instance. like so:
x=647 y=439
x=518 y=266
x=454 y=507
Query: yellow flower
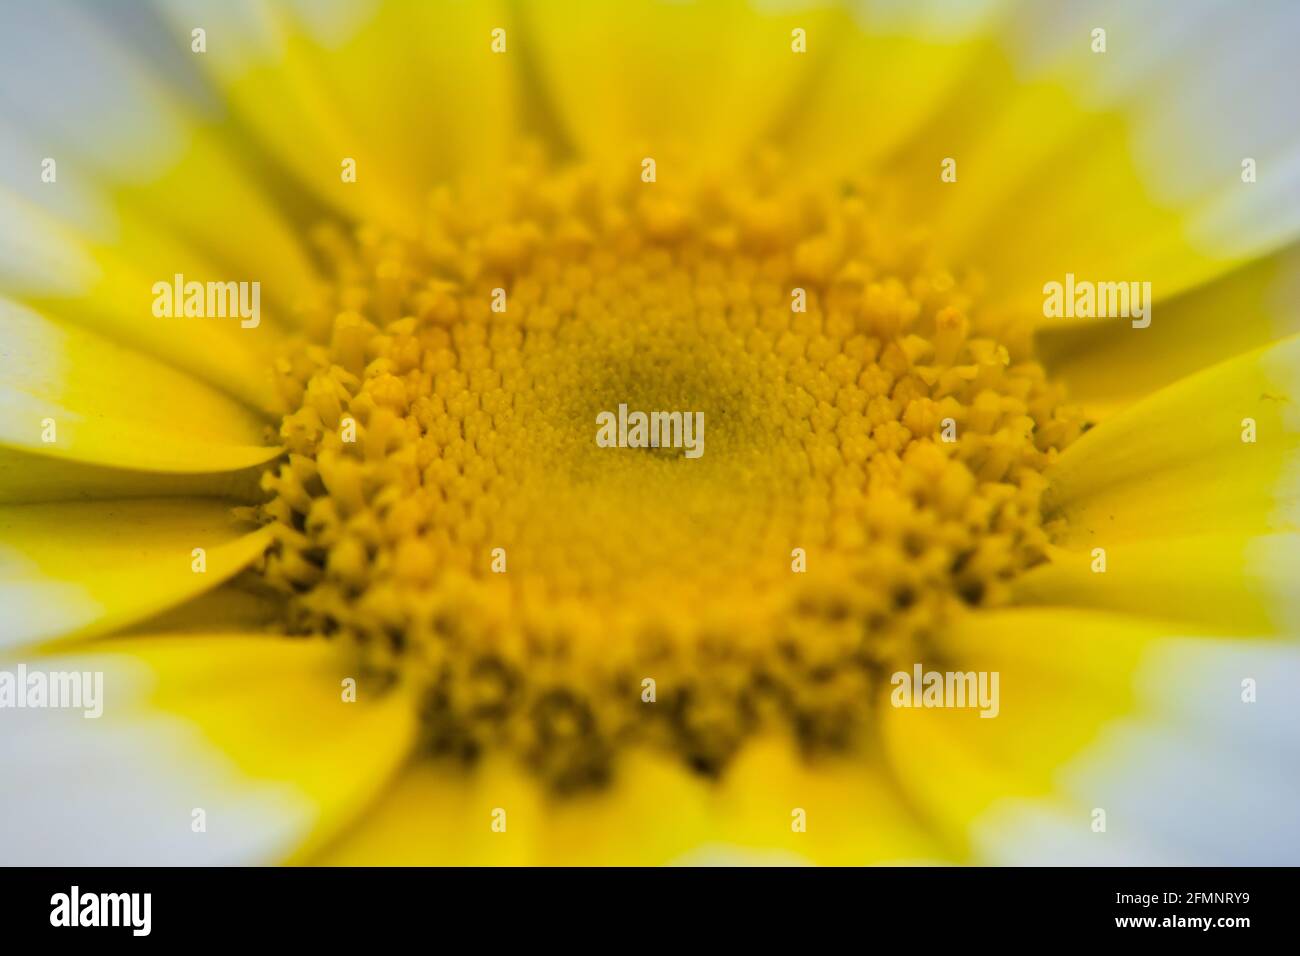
x=977 y=322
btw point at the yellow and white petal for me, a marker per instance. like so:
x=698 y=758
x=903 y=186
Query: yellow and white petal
x=251 y=731
x=1201 y=773
x=1056 y=687
x=84 y=263
x=412 y=92
x=1223 y=583
x=70 y=394
x=96 y=108
x=79 y=568
x=1217 y=453
x=1125 y=165
x=1109 y=365
x=76 y=201
x=1070 y=684
x=772 y=806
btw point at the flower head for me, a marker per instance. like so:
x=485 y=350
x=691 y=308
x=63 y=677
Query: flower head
x=630 y=432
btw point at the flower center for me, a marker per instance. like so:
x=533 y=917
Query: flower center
x=471 y=500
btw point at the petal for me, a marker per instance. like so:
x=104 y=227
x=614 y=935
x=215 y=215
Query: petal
x=113 y=407
x=253 y=731
x=1225 y=583
x=854 y=811
x=31 y=477
x=882 y=70
x=96 y=109
x=1104 y=712
x=655 y=811
x=644 y=75
x=243 y=605
x=1109 y=365
x=1117 y=166
x=90 y=266
x=1176 y=463
x=1197 y=775
x=411 y=91
x=440 y=813
x=1061 y=674
x=73 y=569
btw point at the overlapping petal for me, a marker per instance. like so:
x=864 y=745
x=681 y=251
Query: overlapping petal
x=253 y=732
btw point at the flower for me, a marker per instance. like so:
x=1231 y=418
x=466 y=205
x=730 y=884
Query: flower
x=309 y=316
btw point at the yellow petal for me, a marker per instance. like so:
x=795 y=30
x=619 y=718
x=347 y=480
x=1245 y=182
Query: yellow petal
x=1176 y=464
x=411 y=91
x=654 y=812
x=30 y=477
x=70 y=394
x=653 y=76
x=81 y=568
x=853 y=809
x=441 y=814
x=253 y=732
x=874 y=74
x=241 y=605
x=1109 y=365
x=1224 y=583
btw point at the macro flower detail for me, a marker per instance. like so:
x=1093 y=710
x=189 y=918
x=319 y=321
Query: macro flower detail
x=471 y=432
x=329 y=535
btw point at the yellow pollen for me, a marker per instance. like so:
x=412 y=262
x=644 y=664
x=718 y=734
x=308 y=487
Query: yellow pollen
x=872 y=462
